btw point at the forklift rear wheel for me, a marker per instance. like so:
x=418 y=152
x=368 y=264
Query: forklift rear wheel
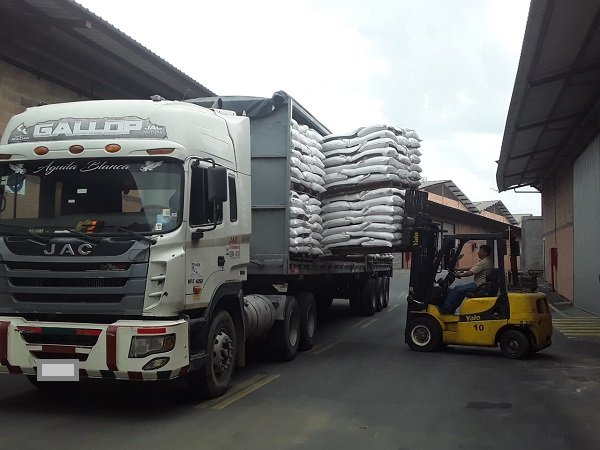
x=515 y=344
x=423 y=335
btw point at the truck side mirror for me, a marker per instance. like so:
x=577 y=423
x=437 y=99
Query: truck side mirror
x=216 y=178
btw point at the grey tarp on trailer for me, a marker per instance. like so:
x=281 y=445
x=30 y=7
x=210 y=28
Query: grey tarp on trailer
x=270 y=134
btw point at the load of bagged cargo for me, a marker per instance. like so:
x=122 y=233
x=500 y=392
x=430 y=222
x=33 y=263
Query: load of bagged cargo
x=347 y=190
x=366 y=174
x=307 y=172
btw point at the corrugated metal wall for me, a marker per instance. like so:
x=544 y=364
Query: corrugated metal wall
x=586 y=209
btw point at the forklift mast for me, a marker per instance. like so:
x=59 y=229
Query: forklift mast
x=427 y=258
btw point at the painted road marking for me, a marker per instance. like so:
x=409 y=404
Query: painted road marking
x=361 y=323
x=578 y=326
x=368 y=323
x=317 y=350
x=240 y=391
x=390 y=309
x=556 y=310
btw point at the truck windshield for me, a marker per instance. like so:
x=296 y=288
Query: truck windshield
x=103 y=195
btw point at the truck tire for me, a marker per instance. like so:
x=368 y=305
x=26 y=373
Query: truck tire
x=515 y=344
x=368 y=297
x=356 y=287
x=380 y=284
x=286 y=333
x=423 y=334
x=385 y=302
x=308 y=319
x=214 y=378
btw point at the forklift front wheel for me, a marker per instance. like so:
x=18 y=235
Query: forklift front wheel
x=423 y=335
x=514 y=344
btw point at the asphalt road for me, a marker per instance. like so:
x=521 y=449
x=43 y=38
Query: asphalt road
x=360 y=387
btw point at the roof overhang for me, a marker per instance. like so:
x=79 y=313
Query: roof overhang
x=454 y=189
x=556 y=97
x=62 y=41
x=438 y=210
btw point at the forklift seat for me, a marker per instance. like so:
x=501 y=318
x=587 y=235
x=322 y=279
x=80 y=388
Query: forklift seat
x=488 y=289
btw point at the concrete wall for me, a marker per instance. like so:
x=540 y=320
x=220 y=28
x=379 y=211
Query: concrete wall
x=557 y=213
x=20 y=89
x=532 y=243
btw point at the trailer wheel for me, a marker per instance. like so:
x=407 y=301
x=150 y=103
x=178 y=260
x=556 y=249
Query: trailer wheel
x=213 y=379
x=514 y=344
x=380 y=285
x=286 y=332
x=385 y=302
x=368 y=297
x=423 y=334
x=308 y=319
x=356 y=288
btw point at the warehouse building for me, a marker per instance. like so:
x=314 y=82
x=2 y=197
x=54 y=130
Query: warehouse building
x=552 y=140
x=454 y=213
x=56 y=50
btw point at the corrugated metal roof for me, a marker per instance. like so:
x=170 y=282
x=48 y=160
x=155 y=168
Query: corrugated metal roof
x=556 y=96
x=62 y=41
x=495 y=206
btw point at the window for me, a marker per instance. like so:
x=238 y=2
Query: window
x=232 y=200
x=202 y=212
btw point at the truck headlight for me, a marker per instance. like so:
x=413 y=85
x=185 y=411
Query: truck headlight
x=142 y=346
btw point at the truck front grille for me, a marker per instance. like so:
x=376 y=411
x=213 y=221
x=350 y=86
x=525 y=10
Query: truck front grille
x=67 y=298
x=69 y=282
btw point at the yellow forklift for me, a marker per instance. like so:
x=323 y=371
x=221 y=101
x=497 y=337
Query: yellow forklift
x=515 y=318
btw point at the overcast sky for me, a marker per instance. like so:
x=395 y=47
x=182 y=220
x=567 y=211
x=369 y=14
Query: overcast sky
x=445 y=68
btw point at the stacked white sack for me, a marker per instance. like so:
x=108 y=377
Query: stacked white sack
x=355 y=211
x=414 y=153
x=366 y=219
x=370 y=155
x=307 y=166
x=306 y=229
x=307 y=172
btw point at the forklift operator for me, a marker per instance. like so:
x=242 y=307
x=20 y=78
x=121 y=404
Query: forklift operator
x=479 y=271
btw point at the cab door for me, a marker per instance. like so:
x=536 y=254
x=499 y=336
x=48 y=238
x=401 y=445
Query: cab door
x=210 y=233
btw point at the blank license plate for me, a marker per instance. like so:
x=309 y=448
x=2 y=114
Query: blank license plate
x=58 y=370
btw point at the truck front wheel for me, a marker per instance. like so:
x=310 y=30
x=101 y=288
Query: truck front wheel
x=213 y=380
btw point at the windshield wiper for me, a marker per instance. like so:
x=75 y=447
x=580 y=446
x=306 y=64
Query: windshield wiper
x=84 y=236
x=27 y=231
x=135 y=234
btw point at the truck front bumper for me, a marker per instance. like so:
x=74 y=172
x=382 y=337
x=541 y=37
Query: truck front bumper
x=100 y=350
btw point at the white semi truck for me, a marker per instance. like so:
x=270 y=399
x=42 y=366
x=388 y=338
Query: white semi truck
x=149 y=240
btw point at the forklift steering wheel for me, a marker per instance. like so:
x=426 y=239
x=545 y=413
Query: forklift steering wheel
x=454 y=274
